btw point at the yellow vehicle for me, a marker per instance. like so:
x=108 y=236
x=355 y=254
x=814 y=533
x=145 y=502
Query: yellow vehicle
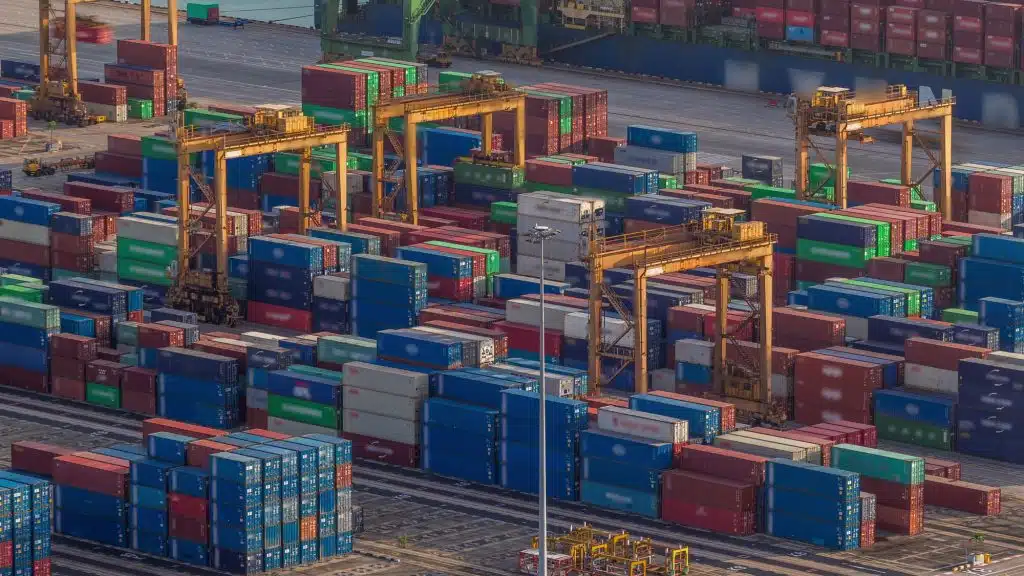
x=34 y=167
x=434 y=58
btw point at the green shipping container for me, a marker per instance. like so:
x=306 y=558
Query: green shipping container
x=450 y=81
x=359 y=161
x=42 y=316
x=24 y=292
x=911 y=432
x=154 y=147
x=924 y=274
x=487 y=175
x=335 y=116
x=25 y=94
x=140 y=109
x=926 y=205
x=411 y=75
x=288 y=163
x=314 y=371
x=959 y=316
x=131 y=249
x=839 y=254
x=883 y=235
x=303 y=411
x=197 y=11
x=239 y=288
x=667 y=182
x=504 y=212
x=9 y=279
x=107 y=396
x=819 y=175
x=910 y=245
x=127 y=333
x=915 y=191
x=879 y=464
x=143 y=272
x=913 y=297
x=492 y=260
x=195 y=116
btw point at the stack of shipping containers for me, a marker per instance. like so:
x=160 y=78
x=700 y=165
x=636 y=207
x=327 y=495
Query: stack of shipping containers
x=896 y=480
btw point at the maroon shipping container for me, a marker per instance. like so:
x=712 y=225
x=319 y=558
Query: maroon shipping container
x=104 y=372
x=835 y=22
x=900 y=15
x=12 y=109
x=160 y=336
x=931 y=50
x=999 y=51
x=1009 y=28
x=127 y=144
x=28 y=253
x=802 y=325
x=277 y=184
x=24 y=379
x=195 y=528
x=900 y=521
x=941 y=468
x=833 y=388
x=823 y=443
x=675 y=12
x=189 y=507
x=386 y=451
x=941 y=253
x=867 y=533
x=77 y=245
x=933 y=19
x=35 y=457
x=705 y=517
x=723 y=463
x=890 y=269
x=198 y=452
x=6 y=133
x=333 y=88
x=771 y=30
x=861 y=40
x=553 y=173
x=112 y=163
x=91 y=475
x=67 y=203
x=878 y=192
x=389 y=239
x=113 y=461
x=831 y=435
x=937 y=354
x=643 y=15
x=154 y=425
x=721 y=493
x=963 y=496
x=68 y=388
x=83 y=263
x=133 y=76
x=969 y=8
x=835 y=8
x=804 y=19
x=68 y=368
x=105 y=94
x=1002 y=12
x=105 y=198
x=138 y=402
x=855 y=436
x=894 y=494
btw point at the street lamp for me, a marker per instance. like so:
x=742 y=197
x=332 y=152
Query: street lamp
x=537 y=236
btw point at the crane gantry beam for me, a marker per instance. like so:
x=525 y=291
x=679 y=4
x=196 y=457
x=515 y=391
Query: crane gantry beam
x=677 y=249
x=418 y=109
x=838 y=112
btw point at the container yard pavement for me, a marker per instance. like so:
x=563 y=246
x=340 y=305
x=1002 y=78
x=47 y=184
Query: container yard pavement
x=261 y=63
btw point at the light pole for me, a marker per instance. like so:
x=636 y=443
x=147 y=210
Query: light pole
x=538 y=235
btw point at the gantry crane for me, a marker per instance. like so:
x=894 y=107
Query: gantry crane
x=273 y=129
x=717 y=241
x=482 y=95
x=57 y=97
x=596 y=553
x=840 y=113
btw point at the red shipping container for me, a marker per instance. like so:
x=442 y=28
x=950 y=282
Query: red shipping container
x=933 y=19
x=75 y=262
x=802 y=5
x=942 y=355
x=675 y=13
x=127 y=144
x=6 y=133
x=184 y=506
x=7 y=554
x=967 y=56
x=268 y=434
x=153 y=425
x=894 y=494
x=864 y=41
x=1002 y=27
x=103 y=458
x=900 y=15
x=998 y=43
x=552 y=173
x=129 y=76
x=395 y=453
x=112 y=163
x=599 y=402
x=999 y=58
x=804 y=19
x=67 y=388
x=850 y=436
x=105 y=94
x=996 y=11
x=256 y=417
x=742 y=352
x=198 y=453
x=139 y=380
x=835 y=8
x=836 y=22
x=931 y=50
x=105 y=198
x=343 y=475
x=77 y=245
x=890 y=269
x=91 y=475
x=941 y=254
x=42 y=567
x=333 y=88
x=28 y=253
x=969 y=8
x=942 y=469
x=187 y=528
x=869 y=434
x=770 y=30
x=707 y=517
x=67 y=368
x=968 y=24
x=867 y=11
x=878 y=192
x=524 y=337
x=109 y=354
x=104 y=372
x=729 y=464
x=271 y=315
x=833 y=388
x=67 y=203
x=138 y=402
x=805 y=326
x=899 y=521
x=715 y=492
x=768 y=15
x=644 y=15
x=963 y=496
x=867 y=533
x=12 y=109
x=389 y=239
x=35 y=457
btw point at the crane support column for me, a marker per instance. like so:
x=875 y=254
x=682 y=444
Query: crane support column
x=411 y=176
x=70 y=46
x=520 y=135
x=172 y=23
x=184 y=212
x=341 y=186
x=486 y=133
x=802 y=158
x=44 y=39
x=144 y=35
x=841 y=176
x=220 y=194
x=640 y=330
x=306 y=158
x=594 y=325
x=942 y=195
x=764 y=290
x=722 y=323
x=376 y=209
x=907 y=154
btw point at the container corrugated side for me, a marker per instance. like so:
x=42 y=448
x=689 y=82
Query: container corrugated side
x=641 y=424
x=386 y=379
x=758 y=447
x=375 y=402
x=379 y=426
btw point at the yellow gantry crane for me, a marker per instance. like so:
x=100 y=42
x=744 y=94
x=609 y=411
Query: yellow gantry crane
x=597 y=553
x=57 y=97
x=843 y=114
x=482 y=96
x=273 y=129
x=717 y=241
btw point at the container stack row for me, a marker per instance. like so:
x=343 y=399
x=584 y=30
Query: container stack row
x=13 y=118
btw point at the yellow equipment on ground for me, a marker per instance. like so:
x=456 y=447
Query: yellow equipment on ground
x=597 y=553
x=34 y=167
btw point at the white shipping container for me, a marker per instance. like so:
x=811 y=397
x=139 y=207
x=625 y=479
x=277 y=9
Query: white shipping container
x=530 y=266
x=856 y=327
x=112 y=113
x=332 y=287
x=261 y=338
x=386 y=379
x=573 y=232
x=990 y=219
x=924 y=377
x=642 y=425
x=758 y=447
x=614 y=331
x=651 y=159
x=811 y=452
x=1007 y=358
x=554 y=384
x=147 y=230
x=519 y=311
x=554 y=249
x=663 y=380
x=482 y=349
x=256 y=398
x=560 y=207
x=22 y=232
x=375 y=402
x=283 y=426
x=107 y=262
x=383 y=427
x=695 y=351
